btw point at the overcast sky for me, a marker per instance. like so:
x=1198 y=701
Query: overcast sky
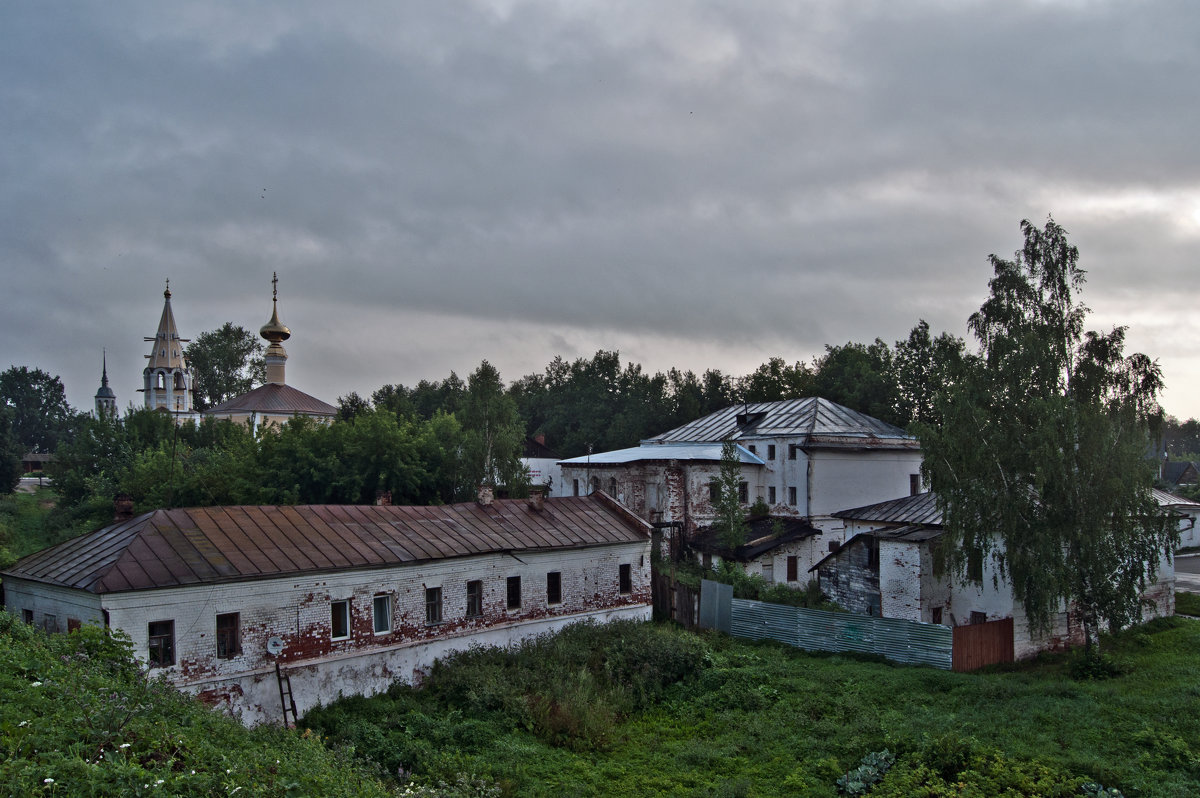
x=702 y=185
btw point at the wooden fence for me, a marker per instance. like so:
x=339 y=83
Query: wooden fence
x=980 y=644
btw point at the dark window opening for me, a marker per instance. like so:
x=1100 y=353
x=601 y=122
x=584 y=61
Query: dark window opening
x=575 y=483
x=792 y=496
x=793 y=568
x=626 y=578
x=229 y=635
x=161 y=648
x=612 y=486
x=935 y=615
x=792 y=451
x=770 y=451
x=339 y=619
x=433 y=605
x=554 y=587
x=975 y=564
x=714 y=491
x=27 y=616
x=771 y=494
x=744 y=492
x=873 y=554
x=978 y=617
x=914 y=484
x=753 y=449
x=73 y=624
x=474 y=599
x=514 y=592
x=381 y=613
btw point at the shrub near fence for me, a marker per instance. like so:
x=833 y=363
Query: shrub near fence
x=899 y=640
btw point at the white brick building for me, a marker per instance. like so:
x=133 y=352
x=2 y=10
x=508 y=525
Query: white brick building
x=344 y=599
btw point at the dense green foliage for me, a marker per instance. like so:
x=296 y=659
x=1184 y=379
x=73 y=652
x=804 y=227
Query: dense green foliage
x=38 y=413
x=227 y=362
x=1187 y=604
x=1041 y=457
x=766 y=720
x=30 y=522
x=729 y=521
x=79 y=717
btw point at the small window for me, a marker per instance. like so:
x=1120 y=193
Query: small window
x=834 y=546
x=793 y=568
x=872 y=554
x=744 y=492
x=73 y=624
x=27 y=616
x=975 y=564
x=339 y=621
x=768 y=572
x=594 y=485
x=575 y=485
x=935 y=615
x=514 y=592
x=612 y=486
x=771 y=494
x=626 y=578
x=381 y=613
x=714 y=491
x=229 y=635
x=50 y=623
x=554 y=587
x=161 y=644
x=474 y=599
x=914 y=484
x=433 y=605
x=792 y=451
x=770 y=451
x=752 y=448
x=792 y=495
x=978 y=617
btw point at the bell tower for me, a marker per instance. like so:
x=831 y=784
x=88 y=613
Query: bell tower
x=106 y=399
x=167 y=380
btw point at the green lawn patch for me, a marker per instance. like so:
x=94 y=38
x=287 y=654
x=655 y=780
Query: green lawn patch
x=1187 y=604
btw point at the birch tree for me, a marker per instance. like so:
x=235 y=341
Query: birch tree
x=1040 y=459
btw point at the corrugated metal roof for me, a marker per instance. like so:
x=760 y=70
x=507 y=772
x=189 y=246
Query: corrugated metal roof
x=762 y=535
x=705 y=452
x=1166 y=499
x=918 y=509
x=819 y=422
x=283 y=400
x=172 y=548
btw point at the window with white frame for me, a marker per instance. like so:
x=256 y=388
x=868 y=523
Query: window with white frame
x=339 y=619
x=381 y=613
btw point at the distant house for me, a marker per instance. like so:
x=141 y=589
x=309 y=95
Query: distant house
x=343 y=599
x=778 y=549
x=889 y=566
x=35 y=461
x=804 y=458
x=1179 y=472
x=542 y=463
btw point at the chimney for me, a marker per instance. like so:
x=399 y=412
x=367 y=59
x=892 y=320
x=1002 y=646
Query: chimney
x=122 y=508
x=383 y=498
x=537 y=496
x=486 y=494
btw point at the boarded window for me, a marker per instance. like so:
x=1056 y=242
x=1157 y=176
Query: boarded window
x=514 y=592
x=474 y=599
x=626 y=578
x=160 y=650
x=339 y=620
x=73 y=624
x=771 y=451
x=229 y=635
x=433 y=605
x=768 y=572
x=50 y=623
x=381 y=613
x=914 y=484
x=793 y=568
x=554 y=588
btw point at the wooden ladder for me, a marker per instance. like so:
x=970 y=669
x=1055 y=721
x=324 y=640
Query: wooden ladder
x=285 y=697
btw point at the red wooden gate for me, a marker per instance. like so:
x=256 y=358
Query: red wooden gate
x=981 y=644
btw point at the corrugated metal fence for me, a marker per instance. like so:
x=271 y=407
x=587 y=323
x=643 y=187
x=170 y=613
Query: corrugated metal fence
x=818 y=630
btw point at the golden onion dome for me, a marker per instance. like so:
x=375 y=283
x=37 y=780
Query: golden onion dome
x=274 y=330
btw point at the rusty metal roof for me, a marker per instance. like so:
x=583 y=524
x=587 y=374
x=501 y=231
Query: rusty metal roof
x=818 y=422
x=277 y=399
x=700 y=452
x=918 y=509
x=198 y=545
x=763 y=534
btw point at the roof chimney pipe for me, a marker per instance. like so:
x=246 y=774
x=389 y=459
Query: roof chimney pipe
x=486 y=495
x=122 y=508
x=537 y=496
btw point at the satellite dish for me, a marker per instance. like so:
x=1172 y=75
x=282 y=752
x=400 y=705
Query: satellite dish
x=275 y=646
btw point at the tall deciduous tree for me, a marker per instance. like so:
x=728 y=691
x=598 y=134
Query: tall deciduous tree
x=730 y=516
x=1040 y=458
x=493 y=434
x=228 y=362
x=40 y=416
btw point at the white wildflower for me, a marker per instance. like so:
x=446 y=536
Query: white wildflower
x=35 y=684
x=123 y=745
x=23 y=723
x=47 y=781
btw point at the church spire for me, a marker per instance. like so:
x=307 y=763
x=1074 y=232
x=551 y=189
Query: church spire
x=167 y=378
x=106 y=400
x=276 y=333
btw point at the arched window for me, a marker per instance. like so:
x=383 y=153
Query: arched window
x=158 y=381
x=595 y=484
x=612 y=486
x=179 y=380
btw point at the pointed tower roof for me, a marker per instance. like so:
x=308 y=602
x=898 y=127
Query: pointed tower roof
x=168 y=346
x=105 y=392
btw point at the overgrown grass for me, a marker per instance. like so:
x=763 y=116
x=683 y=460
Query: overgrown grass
x=1187 y=604
x=80 y=718
x=30 y=522
x=764 y=719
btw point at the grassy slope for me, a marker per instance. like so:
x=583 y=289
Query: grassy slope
x=766 y=720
